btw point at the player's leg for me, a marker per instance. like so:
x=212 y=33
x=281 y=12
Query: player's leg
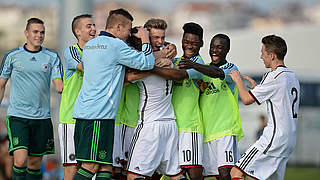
x=235 y=174
x=19 y=164
x=18 y=133
x=253 y=164
x=66 y=132
x=104 y=172
x=117 y=151
x=41 y=143
x=190 y=154
x=169 y=142
x=33 y=168
x=210 y=163
x=145 y=151
x=228 y=155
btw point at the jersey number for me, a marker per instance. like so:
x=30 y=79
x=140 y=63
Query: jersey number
x=229 y=157
x=294 y=92
x=186 y=155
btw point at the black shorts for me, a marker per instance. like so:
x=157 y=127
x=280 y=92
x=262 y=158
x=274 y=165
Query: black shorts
x=93 y=140
x=34 y=135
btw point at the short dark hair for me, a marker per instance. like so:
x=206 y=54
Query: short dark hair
x=33 y=21
x=275 y=44
x=113 y=17
x=156 y=24
x=193 y=28
x=75 y=22
x=222 y=36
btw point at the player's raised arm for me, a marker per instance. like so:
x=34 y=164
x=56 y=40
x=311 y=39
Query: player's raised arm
x=245 y=96
x=210 y=70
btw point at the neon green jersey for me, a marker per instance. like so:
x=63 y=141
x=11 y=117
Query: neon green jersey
x=72 y=79
x=185 y=100
x=128 y=112
x=220 y=110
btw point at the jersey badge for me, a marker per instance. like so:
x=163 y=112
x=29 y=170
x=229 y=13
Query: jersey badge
x=102 y=154
x=45 y=67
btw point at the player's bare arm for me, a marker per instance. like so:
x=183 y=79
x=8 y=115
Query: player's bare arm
x=211 y=70
x=134 y=75
x=243 y=93
x=171 y=74
x=58 y=84
x=253 y=83
x=3 y=83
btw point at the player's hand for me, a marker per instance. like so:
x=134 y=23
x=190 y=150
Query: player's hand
x=186 y=64
x=171 y=51
x=253 y=83
x=143 y=33
x=235 y=75
x=163 y=62
x=202 y=85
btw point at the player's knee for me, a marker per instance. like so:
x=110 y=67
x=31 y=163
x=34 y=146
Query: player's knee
x=235 y=173
x=92 y=167
x=20 y=162
x=195 y=173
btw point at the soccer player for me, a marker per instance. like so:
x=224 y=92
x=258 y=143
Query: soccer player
x=125 y=123
x=154 y=146
x=83 y=29
x=30 y=68
x=219 y=109
x=185 y=101
x=280 y=89
x=104 y=59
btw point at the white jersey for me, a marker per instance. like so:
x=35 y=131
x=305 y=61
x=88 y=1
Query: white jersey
x=281 y=90
x=155 y=99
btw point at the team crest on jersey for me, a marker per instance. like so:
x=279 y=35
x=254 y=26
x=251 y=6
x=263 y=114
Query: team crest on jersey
x=223 y=86
x=102 y=154
x=45 y=67
x=211 y=89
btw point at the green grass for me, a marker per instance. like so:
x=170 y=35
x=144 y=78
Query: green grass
x=292 y=173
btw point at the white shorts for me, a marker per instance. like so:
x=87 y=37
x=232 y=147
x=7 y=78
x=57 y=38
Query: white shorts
x=154 y=147
x=257 y=165
x=66 y=132
x=127 y=133
x=220 y=153
x=190 y=149
x=117 y=152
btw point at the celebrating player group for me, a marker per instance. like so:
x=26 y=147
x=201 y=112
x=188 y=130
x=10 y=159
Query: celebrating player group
x=132 y=109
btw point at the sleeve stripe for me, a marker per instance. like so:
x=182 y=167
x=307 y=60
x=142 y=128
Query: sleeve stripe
x=5 y=58
x=148 y=50
x=255 y=99
x=73 y=54
x=264 y=77
x=60 y=68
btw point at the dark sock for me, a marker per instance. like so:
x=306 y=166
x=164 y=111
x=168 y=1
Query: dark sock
x=103 y=175
x=33 y=174
x=18 y=173
x=83 y=174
